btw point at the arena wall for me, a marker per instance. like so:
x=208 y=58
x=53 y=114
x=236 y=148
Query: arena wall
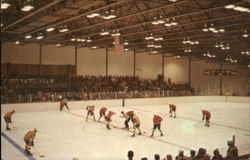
x=93 y=62
x=50 y=106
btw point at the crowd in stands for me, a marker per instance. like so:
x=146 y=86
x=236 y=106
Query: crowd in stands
x=42 y=88
x=232 y=154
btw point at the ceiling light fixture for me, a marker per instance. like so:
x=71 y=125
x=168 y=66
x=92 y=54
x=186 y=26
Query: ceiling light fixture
x=17 y=42
x=28 y=36
x=50 y=29
x=4 y=5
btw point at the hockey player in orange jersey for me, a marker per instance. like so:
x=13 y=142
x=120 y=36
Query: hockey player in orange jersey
x=63 y=102
x=128 y=116
x=136 y=123
x=172 y=108
x=206 y=114
x=90 y=111
x=157 y=124
x=7 y=119
x=29 y=140
x=102 y=112
x=108 y=119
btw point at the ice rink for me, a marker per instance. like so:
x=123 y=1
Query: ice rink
x=64 y=135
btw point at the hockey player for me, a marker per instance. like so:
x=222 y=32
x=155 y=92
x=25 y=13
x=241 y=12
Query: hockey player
x=102 y=112
x=128 y=116
x=63 y=102
x=7 y=118
x=157 y=124
x=108 y=119
x=172 y=108
x=206 y=114
x=90 y=110
x=136 y=123
x=29 y=140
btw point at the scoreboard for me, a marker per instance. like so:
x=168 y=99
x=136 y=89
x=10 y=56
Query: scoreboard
x=220 y=72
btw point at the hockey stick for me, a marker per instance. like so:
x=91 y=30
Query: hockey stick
x=40 y=155
x=197 y=123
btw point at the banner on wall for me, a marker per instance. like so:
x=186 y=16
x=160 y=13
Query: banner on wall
x=119 y=47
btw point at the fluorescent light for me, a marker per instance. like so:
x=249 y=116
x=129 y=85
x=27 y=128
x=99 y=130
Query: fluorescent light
x=245 y=35
x=89 y=40
x=167 y=24
x=58 y=45
x=5 y=5
x=222 y=30
x=174 y=23
x=95 y=14
x=27 y=8
x=17 y=42
x=90 y=16
x=126 y=49
x=72 y=39
x=94 y=47
x=238 y=8
x=125 y=43
x=211 y=29
x=205 y=29
x=160 y=21
x=50 y=29
x=155 y=23
x=28 y=36
x=64 y=30
x=39 y=37
x=216 y=46
x=230 y=6
x=112 y=16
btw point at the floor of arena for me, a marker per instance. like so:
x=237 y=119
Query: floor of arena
x=64 y=135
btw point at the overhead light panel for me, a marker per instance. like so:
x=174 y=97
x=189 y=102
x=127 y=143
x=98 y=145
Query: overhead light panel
x=230 y=6
x=40 y=37
x=50 y=29
x=63 y=30
x=28 y=36
x=27 y=7
x=4 y=5
x=17 y=42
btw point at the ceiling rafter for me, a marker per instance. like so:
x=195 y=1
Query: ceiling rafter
x=31 y=14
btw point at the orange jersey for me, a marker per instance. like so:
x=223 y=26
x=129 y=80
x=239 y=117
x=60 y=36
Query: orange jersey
x=172 y=107
x=157 y=119
x=130 y=113
x=8 y=115
x=90 y=108
x=30 y=135
x=206 y=113
x=110 y=114
x=103 y=110
x=136 y=120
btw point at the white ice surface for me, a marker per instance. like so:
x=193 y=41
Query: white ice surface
x=62 y=136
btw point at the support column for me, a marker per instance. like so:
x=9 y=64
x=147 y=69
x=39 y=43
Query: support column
x=163 y=64
x=40 y=59
x=107 y=61
x=189 y=70
x=220 y=79
x=134 y=69
x=76 y=60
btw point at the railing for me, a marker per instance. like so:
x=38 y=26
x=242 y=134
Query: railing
x=55 y=96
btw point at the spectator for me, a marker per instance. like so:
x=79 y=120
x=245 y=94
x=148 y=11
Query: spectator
x=192 y=155
x=181 y=156
x=168 y=157
x=130 y=155
x=232 y=152
x=217 y=155
x=157 y=157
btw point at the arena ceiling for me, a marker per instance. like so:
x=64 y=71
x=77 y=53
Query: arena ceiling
x=213 y=30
